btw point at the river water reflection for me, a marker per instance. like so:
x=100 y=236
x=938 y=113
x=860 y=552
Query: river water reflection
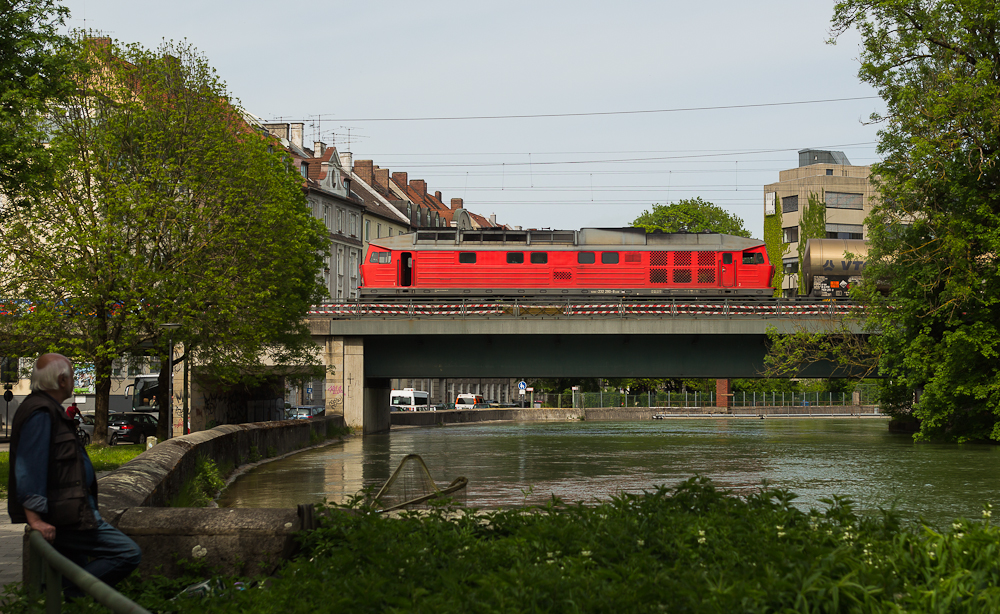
x=510 y=464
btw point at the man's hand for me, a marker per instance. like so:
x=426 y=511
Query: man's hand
x=35 y=522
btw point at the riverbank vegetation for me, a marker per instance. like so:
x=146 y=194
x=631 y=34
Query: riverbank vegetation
x=692 y=548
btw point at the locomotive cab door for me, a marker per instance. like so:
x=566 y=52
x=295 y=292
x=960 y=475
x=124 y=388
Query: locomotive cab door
x=728 y=271
x=406 y=270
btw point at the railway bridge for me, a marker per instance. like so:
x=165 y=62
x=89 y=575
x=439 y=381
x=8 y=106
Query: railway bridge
x=363 y=345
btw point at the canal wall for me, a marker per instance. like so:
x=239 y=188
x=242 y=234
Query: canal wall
x=432 y=418
x=136 y=498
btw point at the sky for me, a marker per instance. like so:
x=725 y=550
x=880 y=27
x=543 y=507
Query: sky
x=634 y=103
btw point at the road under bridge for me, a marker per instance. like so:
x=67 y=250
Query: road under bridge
x=365 y=344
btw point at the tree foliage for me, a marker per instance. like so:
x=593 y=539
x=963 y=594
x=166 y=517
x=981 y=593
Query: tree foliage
x=169 y=208
x=691 y=215
x=812 y=225
x=34 y=64
x=935 y=232
x=775 y=241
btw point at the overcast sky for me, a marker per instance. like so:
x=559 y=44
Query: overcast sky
x=337 y=66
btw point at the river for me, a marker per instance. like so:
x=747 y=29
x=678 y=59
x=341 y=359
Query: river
x=510 y=464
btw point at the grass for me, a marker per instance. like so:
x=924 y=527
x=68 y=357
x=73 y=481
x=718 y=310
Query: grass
x=689 y=549
x=104 y=458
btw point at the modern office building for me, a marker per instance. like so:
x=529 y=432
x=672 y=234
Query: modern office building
x=831 y=179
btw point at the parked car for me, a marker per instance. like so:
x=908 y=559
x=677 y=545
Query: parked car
x=303 y=412
x=130 y=427
x=85 y=428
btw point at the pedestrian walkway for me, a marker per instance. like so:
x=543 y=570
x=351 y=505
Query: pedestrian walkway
x=11 y=539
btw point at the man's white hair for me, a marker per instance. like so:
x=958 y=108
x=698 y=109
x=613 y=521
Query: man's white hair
x=47 y=378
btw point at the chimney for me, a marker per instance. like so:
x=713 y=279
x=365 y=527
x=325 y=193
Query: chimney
x=319 y=147
x=437 y=195
x=420 y=186
x=296 y=134
x=347 y=161
x=382 y=180
x=456 y=203
x=279 y=131
x=400 y=179
x=362 y=168
x=493 y=219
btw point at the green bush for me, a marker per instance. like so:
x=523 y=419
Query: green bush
x=688 y=549
x=201 y=489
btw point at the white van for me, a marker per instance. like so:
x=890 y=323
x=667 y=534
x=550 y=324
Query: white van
x=468 y=401
x=409 y=399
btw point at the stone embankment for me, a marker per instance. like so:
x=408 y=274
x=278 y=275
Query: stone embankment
x=621 y=414
x=136 y=498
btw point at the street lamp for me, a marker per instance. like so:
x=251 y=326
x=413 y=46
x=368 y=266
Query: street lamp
x=170 y=328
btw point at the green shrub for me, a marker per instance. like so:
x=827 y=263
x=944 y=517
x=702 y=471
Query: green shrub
x=688 y=549
x=201 y=489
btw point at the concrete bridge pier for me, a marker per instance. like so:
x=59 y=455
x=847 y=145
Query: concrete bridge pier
x=363 y=402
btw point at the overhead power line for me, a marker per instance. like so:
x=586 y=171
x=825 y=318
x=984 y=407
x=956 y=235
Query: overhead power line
x=598 y=113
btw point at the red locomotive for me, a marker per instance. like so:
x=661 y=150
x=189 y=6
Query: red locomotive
x=592 y=262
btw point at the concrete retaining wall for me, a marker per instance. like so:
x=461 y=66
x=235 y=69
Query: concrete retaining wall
x=431 y=418
x=135 y=498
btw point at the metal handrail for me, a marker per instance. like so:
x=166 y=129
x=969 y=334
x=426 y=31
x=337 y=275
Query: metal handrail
x=46 y=565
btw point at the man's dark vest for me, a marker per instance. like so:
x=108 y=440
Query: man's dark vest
x=67 y=483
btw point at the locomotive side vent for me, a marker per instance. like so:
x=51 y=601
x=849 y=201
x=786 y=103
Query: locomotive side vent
x=562 y=275
x=659 y=258
x=682 y=258
x=706 y=259
x=632 y=257
x=682 y=276
x=706 y=276
x=658 y=276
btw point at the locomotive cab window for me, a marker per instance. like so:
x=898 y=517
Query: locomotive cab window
x=727 y=258
x=609 y=257
x=585 y=258
x=380 y=258
x=515 y=257
x=753 y=258
x=539 y=257
x=467 y=257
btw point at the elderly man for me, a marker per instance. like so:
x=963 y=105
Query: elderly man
x=52 y=482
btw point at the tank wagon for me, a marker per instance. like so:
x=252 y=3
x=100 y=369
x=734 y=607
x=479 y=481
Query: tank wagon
x=827 y=269
x=592 y=262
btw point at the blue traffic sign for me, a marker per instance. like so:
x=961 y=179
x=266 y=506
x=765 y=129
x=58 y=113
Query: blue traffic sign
x=522 y=385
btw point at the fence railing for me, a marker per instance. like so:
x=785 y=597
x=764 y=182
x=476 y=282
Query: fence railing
x=522 y=308
x=608 y=400
x=47 y=567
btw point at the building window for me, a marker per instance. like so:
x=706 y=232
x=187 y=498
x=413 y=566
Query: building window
x=829 y=171
x=790 y=204
x=304 y=169
x=326 y=217
x=378 y=231
x=354 y=224
x=791 y=234
x=368 y=230
x=844 y=231
x=390 y=231
x=843 y=200
x=790 y=267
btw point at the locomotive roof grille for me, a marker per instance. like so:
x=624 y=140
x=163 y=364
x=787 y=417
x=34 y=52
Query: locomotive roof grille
x=622 y=239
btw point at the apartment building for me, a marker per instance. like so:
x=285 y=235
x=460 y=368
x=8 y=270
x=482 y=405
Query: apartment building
x=830 y=178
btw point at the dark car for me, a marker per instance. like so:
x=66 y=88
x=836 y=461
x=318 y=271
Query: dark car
x=130 y=427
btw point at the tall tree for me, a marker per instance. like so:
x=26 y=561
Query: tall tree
x=935 y=232
x=35 y=60
x=691 y=215
x=170 y=207
x=811 y=226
